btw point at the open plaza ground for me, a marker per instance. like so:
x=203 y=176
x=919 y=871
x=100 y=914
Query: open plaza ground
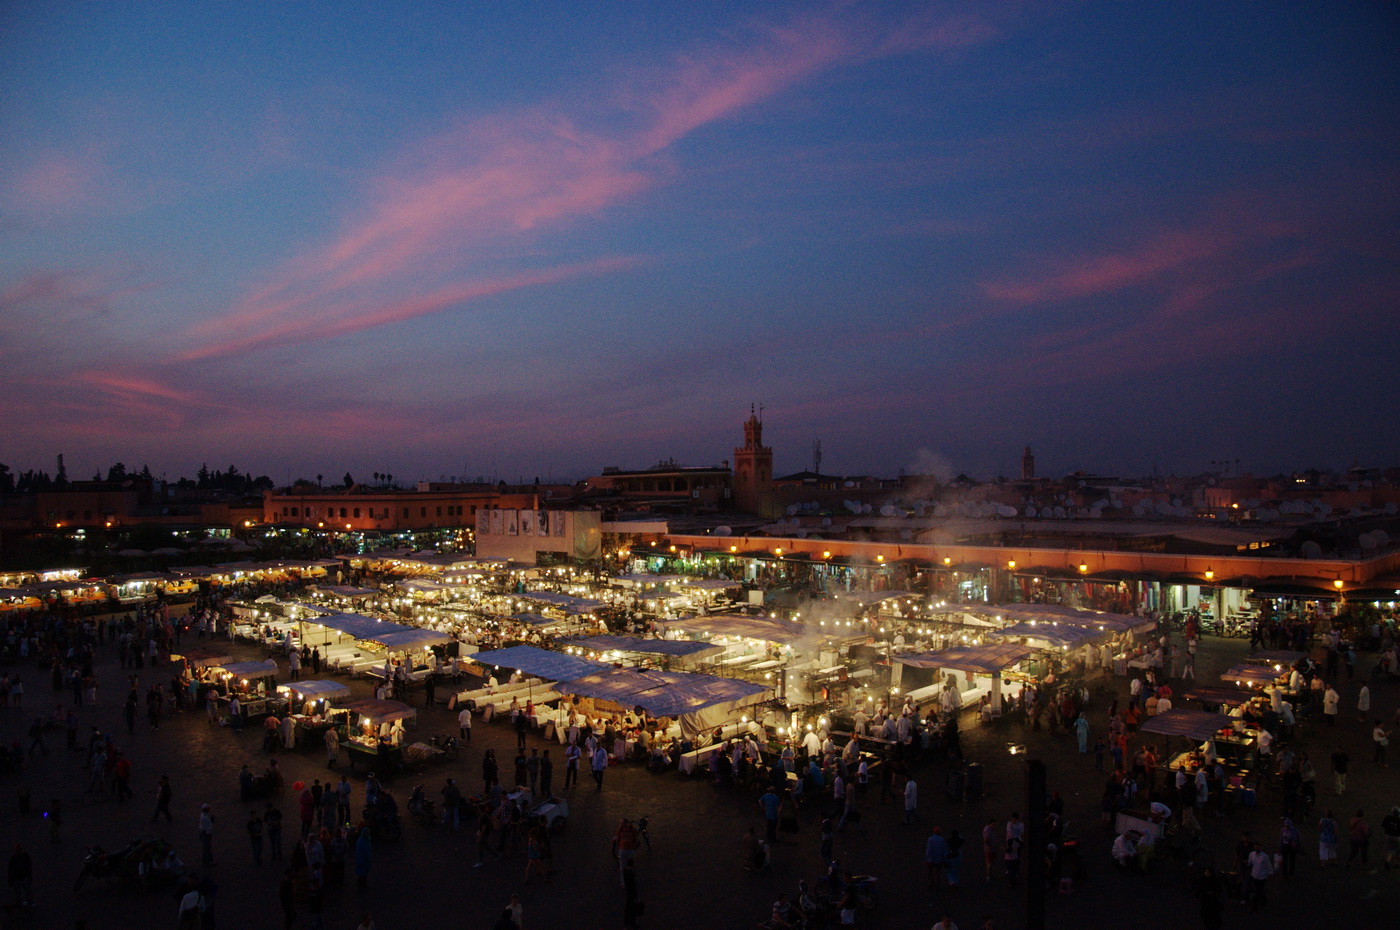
x=692 y=875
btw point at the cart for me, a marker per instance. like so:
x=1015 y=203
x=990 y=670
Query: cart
x=552 y=812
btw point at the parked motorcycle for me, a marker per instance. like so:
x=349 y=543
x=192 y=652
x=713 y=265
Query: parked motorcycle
x=447 y=745
x=124 y=863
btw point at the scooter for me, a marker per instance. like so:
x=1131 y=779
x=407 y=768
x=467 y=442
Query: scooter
x=447 y=744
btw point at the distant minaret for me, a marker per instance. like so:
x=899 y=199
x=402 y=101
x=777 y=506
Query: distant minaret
x=753 y=470
x=817 y=456
x=1027 y=465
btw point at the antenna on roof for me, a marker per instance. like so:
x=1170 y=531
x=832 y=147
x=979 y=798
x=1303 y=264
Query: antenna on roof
x=817 y=456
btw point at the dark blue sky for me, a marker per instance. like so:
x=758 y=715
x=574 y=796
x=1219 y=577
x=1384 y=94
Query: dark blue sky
x=519 y=239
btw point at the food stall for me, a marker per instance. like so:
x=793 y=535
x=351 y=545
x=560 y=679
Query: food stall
x=374 y=733
x=982 y=669
x=255 y=684
x=1218 y=699
x=638 y=649
x=1196 y=726
x=309 y=708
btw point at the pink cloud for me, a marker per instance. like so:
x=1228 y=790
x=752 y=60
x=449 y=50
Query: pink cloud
x=1110 y=272
x=59 y=182
x=461 y=200
x=338 y=321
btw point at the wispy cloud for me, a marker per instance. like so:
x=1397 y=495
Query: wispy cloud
x=447 y=215
x=60 y=182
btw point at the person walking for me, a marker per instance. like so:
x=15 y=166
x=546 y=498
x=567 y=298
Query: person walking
x=532 y=770
x=36 y=736
x=1380 y=738
x=1261 y=867
x=1359 y=832
x=489 y=771
x=1327 y=840
x=255 y=836
x=625 y=842
x=464 y=724
x=451 y=804
x=771 y=805
x=332 y=747
x=546 y=775
x=342 y=800
x=206 y=835
x=911 y=801
x=631 y=904
x=935 y=857
x=571 y=757
x=1081 y=730
x=288 y=895
x=600 y=765
x=1390 y=829
x=163 y=795
x=272 y=827
x=1340 y=762
x=1290 y=841
x=364 y=858
x=121 y=777
x=989 y=847
x=20 y=876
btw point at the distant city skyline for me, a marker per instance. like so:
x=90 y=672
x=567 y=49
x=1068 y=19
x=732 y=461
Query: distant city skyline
x=511 y=240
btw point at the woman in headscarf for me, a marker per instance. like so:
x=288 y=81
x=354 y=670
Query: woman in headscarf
x=364 y=858
x=1081 y=729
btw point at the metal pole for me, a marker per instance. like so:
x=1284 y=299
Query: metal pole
x=1034 y=851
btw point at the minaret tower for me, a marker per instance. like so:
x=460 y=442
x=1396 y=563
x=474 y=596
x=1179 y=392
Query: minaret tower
x=753 y=469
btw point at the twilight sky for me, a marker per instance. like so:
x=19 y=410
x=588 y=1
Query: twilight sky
x=522 y=239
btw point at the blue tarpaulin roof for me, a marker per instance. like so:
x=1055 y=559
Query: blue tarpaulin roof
x=408 y=639
x=535 y=619
x=565 y=602
x=542 y=663
x=664 y=694
x=664 y=647
x=360 y=627
x=1071 y=616
x=1062 y=634
x=1194 y=724
x=251 y=669
x=992 y=657
x=316 y=688
x=764 y=628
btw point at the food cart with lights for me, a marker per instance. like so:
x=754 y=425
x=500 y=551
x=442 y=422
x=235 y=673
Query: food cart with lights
x=309 y=706
x=200 y=663
x=255 y=684
x=374 y=733
x=974 y=672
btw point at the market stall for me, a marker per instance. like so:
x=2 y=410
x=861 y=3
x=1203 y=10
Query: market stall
x=255 y=684
x=699 y=702
x=982 y=666
x=375 y=733
x=675 y=651
x=309 y=709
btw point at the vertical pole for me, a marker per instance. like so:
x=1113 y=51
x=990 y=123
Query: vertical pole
x=1034 y=852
